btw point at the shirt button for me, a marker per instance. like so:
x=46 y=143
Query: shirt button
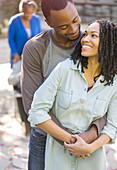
x=85 y=89
x=73 y=163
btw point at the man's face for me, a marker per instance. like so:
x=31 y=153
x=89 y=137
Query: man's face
x=66 y=22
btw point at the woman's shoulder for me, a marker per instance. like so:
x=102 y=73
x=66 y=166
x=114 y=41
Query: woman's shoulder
x=15 y=18
x=36 y=17
x=67 y=64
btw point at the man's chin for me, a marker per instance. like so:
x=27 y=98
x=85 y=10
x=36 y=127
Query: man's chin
x=73 y=39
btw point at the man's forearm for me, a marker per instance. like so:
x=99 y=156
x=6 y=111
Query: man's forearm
x=94 y=132
x=100 y=123
x=90 y=135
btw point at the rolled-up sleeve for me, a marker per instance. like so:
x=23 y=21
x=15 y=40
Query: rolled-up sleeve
x=111 y=127
x=44 y=98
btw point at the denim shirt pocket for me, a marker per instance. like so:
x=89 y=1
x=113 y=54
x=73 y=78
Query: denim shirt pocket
x=100 y=106
x=64 y=98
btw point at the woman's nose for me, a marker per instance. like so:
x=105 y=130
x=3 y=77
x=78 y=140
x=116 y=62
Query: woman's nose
x=86 y=38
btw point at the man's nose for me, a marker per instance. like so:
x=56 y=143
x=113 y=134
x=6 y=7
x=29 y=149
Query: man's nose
x=72 y=29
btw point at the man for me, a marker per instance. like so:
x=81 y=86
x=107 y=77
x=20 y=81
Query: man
x=41 y=54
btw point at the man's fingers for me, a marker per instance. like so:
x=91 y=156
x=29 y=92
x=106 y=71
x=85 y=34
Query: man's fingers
x=69 y=146
x=73 y=140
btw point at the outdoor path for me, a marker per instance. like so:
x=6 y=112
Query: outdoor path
x=13 y=143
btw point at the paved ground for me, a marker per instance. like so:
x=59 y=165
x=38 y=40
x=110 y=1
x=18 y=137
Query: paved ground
x=13 y=143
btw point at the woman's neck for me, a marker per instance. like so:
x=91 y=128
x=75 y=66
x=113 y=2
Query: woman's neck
x=93 y=70
x=25 y=22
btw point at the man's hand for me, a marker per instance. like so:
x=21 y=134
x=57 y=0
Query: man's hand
x=16 y=58
x=80 y=148
x=90 y=135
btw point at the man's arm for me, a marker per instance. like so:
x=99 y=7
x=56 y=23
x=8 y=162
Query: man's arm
x=89 y=136
x=95 y=130
x=31 y=75
x=31 y=72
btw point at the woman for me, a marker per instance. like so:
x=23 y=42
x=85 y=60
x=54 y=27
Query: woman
x=22 y=27
x=79 y=91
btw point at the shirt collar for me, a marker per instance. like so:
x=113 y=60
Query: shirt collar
x=74 y=66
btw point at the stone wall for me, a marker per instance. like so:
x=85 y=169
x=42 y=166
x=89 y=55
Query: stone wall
x=97 y=9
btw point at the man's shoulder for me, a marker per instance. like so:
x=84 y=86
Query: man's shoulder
x=37 y=46
x=39 y=41
x=42 y=36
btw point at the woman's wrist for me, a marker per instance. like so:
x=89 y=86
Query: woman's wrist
x=90 y=148
x=99 y=142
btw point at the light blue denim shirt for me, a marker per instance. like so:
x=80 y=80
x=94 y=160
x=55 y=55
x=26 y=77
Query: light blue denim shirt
x=65 y=91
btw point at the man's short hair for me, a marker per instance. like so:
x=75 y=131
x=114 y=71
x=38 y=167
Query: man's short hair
x=48 y=5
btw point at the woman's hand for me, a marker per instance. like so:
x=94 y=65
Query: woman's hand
x=80 y=148
x=16 y=58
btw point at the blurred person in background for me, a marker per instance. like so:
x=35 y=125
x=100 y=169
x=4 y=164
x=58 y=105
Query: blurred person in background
x=22 y=27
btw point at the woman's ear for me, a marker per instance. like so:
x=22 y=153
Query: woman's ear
x=48 y=22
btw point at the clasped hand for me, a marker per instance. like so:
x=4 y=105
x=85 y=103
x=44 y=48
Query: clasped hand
x=80 y=148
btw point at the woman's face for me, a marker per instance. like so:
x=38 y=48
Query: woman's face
x=28 y=12
x=90 y=41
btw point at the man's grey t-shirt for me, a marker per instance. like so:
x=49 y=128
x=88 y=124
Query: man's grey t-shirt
x=54 y=54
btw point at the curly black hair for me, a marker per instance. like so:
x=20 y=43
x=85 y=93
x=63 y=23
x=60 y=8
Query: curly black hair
x=107 y=51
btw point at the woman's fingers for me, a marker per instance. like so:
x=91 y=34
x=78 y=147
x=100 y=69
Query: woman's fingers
x=74 y=151
x=88 y=155
x=83 y=156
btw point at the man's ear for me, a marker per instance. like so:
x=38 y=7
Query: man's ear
x=48 y=22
